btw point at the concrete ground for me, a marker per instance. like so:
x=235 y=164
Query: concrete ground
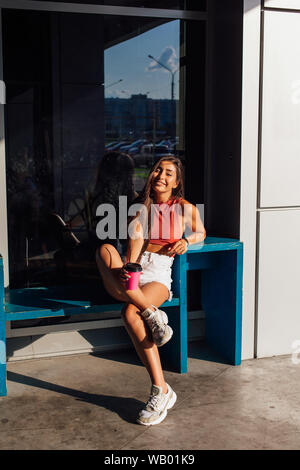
x=90 y=402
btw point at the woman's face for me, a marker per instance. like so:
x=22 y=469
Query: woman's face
x=164 y=178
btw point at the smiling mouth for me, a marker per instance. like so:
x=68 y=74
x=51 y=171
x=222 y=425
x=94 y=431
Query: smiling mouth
x=161 y=184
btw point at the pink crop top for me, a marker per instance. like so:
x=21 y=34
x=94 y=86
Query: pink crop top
x=166 y=226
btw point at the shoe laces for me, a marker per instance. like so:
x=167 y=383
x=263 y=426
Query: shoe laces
x=155 y=323
x=153 y=401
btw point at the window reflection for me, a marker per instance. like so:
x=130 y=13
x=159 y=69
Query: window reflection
x=141 y=95
x=196 y=5
x=84 y=124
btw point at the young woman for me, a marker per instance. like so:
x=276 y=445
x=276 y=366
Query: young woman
x=146 y=324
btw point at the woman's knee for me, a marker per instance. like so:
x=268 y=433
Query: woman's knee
x=131 y=314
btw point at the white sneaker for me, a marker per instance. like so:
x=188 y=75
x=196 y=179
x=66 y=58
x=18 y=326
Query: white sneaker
x=157 y=321
x=157 y=406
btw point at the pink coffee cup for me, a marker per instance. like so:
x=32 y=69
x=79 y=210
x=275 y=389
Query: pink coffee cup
x=134 y=269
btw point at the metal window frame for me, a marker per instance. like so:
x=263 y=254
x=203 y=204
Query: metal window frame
x=3 y=197
x=66 y=8
x=102 y=9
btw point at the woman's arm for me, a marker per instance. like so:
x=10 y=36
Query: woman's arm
x=134 y=251
x=192 y=221
x=135 y=243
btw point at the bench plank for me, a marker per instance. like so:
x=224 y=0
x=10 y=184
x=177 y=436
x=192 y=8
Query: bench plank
x=16 y=312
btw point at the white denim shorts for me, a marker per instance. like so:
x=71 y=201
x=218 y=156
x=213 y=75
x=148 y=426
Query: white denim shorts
x=157 y=268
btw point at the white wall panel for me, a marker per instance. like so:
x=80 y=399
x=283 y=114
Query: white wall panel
x=278 y=322
x=249 y=150
x=289 y=4
x=280 y=149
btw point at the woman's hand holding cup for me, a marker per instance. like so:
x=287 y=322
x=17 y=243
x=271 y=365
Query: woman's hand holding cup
x=124 y=275
x=130 y=275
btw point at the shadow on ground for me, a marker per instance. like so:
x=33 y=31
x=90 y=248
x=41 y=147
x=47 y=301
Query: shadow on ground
x=126 y=356
x=200 y=350
x=196 y=350
x=126 y=408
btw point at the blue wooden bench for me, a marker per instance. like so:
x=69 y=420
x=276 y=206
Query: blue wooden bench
x=221 y=263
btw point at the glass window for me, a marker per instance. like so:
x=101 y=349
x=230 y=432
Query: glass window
x=92 y=102
x=195 y=5
x=109 y=83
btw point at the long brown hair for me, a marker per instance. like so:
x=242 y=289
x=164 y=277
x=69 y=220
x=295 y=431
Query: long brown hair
x=147 y=196
x=147 y=193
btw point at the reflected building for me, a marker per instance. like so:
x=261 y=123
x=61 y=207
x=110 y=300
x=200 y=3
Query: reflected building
x=139 y=116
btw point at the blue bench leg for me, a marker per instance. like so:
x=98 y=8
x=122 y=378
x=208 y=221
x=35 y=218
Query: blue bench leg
x=222 y=303
x=3 y=391
x=174 y=353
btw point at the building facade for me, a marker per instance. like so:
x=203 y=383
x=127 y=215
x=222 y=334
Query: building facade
x=214 y=82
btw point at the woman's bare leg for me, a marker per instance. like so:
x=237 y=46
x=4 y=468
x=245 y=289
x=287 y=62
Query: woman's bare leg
x=109 y=264
x=140 y=335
